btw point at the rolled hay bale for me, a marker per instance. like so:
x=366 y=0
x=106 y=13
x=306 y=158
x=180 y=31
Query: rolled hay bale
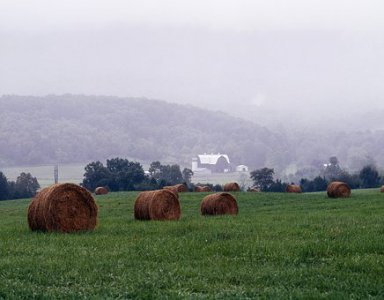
x=173 y=189
x=254 y=190
x=101 y=190
x=157 y=205
x=338 y=189
x=382 y=189
x=231 y=187
x=219 y=204
x=293 y=188
x=201 y=189
x=63 y=207
x=180 y=188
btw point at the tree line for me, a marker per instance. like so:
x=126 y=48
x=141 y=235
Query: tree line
x=367 y=177
x=25 y=186
x=120 y=174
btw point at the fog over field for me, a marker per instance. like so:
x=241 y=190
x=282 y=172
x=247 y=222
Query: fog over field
x=264 y=60
x=295 y=67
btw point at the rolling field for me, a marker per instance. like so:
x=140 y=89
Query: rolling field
x=280 y=246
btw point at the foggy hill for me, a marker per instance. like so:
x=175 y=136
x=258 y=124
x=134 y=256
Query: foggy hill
x=69 y=128
x=76 y=128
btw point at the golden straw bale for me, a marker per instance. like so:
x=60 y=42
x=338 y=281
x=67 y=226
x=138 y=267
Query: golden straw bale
x=157 y=205
x=293 y=188
x=204 y=188
x=63 y=207
x=101 y=190
x=219 y=204
x=338 y=189
x=231 y=187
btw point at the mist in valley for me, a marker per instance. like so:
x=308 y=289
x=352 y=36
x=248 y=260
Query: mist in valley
x=301 y=81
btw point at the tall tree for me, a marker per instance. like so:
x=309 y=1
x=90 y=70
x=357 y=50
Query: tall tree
x=263 y=178
x=26 y=186
x=369 y=177
x=4 y=191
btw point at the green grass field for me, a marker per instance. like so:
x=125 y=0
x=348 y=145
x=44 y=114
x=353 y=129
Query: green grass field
x=280 y=246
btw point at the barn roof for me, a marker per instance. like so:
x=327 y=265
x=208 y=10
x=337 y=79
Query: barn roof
x=211 y=159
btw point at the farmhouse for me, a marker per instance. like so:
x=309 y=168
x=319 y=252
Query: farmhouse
x=211 y=163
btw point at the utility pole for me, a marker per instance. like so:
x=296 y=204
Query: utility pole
x=56 y=173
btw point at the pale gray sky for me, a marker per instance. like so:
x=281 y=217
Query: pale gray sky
x=239 y=56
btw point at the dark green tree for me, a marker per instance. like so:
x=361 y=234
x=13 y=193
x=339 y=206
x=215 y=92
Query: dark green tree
x=263 y=178
x=125 y=174
x=26 y=186
x=187 y=175
x=369 y=177
x=4 y=190
x=96 y=175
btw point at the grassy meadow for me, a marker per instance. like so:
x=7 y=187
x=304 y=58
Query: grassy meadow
x=280 y=246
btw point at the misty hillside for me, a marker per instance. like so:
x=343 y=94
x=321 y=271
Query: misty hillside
x=69 y=129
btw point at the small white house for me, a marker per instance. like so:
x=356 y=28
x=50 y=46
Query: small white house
x=241 y=168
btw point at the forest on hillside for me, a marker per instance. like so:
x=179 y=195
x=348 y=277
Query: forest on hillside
x=77 y=128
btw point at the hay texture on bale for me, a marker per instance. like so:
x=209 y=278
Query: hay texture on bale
x=338 y=189
x=63 y=207
x=231 y=187
x=293 y=188
x=382 y=189
x=157 y=205
x=219 y=204
x=180 y=188
x=204 y=188
x=101 y=190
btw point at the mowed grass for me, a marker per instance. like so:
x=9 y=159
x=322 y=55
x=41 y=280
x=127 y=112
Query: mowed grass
x=282 y=246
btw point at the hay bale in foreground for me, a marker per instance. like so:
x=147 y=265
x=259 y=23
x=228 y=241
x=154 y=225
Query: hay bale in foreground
x=157 y=205
x=382 y=189
x=293 y=188
x=231 y=187
x=201 y=189
x=219 y=204
x=338 y=189
x=63 y=207
x=101 y=190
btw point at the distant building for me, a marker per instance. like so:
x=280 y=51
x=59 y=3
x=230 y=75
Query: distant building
x=241 y=168
x=211 y=163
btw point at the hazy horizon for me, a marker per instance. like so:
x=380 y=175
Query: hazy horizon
x=306 y=59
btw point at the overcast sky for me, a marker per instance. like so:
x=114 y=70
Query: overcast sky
x=301 y=55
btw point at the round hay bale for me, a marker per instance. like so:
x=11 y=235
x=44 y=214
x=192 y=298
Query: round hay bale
x=382 y=189
x=254 y=190
x=101 y=190
x=231 y=187
x=157 y=205
x=201 y=189
x=63 y=207
x=338 y=189
x=173 y=189
x=219 y=204
x=293 y=188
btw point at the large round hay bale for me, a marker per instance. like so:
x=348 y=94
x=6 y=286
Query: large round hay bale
x=201 y=189
x=63 y=207
x=157 y=205
x=179 y=188
x=338 y=189
x=173 y=189
x=101 y=190
x=382 y=189
x=254 y=190
x=293 y=188
x=219 y=204
x=231 y=187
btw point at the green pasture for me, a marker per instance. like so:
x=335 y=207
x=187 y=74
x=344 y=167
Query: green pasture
x=280 y=246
